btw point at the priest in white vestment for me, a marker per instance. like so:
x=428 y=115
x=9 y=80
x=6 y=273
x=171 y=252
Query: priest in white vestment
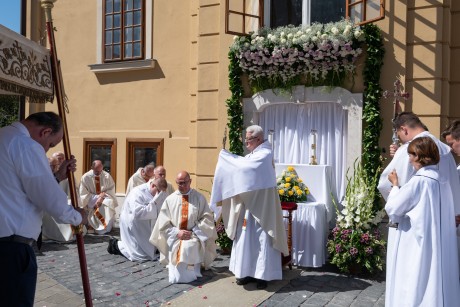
x=137 y=219
x=185 y=232
x=160 y=172
x=244 y=190
x=424 y=262
x=51 y=229
x=408 y=127
x=97 y=193
x=141 y=176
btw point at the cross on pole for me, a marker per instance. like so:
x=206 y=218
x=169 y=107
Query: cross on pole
x=397 y=94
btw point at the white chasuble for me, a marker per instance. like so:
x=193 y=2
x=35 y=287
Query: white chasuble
x=184 y=257
x=245 y=189
x=137 y=218
x=424 y=262
x=134 y=181
x=102 y=218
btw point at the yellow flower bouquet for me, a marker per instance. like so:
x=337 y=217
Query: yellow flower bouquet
x=290 y=187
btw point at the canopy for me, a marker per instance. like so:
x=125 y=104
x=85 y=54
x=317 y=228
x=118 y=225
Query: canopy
x=25 y=67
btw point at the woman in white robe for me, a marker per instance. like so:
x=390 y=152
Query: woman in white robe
x=425 y=266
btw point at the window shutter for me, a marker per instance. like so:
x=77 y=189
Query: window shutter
x=365 y=11
x=243 y=16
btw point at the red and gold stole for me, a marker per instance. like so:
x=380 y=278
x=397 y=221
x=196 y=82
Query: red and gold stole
x=183 y=221
x=97 y=183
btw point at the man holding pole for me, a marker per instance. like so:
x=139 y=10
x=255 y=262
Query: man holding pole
x=28 y=188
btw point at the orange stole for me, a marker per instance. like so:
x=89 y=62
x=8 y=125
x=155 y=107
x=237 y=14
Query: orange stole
x=97 y=182
x=183 y=221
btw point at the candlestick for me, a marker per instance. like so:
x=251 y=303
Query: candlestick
x=313 y=135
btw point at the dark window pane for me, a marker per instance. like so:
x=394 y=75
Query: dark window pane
x=137 y=18
x=117 y=6
x=108 y=6
x=325 y=11
x=144 y=156
x=108 y=22
x=137 y=33
x=117 y=20
x=128 y=5
x=108 y=37
x=116 y=36
x=129 y=19
x=128 y=35
x=137 y=50
x=128 y=50
x=285 y=12
x=108 y=52
x=137 y=4
x=102 y=153
x=116 y=52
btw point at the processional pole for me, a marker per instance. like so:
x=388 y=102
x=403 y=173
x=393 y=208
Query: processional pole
x=47 y=5
x=396 y=94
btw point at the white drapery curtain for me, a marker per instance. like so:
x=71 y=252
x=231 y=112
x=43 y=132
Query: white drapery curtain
x=292 y=124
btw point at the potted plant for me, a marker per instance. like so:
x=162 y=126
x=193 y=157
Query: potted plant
x=290 y=187
x=224 y=242
x=355 y=244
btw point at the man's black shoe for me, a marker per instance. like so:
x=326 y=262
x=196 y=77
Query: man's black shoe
x=261 y=284
x=113 y=247
x=244 y=280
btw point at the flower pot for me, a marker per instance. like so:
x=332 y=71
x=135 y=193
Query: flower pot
x=288 y=205
x=226 y=251
x=355 y=268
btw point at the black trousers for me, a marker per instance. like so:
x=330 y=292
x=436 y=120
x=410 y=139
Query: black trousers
x=18 y=274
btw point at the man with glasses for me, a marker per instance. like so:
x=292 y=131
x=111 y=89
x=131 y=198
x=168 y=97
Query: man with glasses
x=137 y=218
x=245 y=189
x=185 y=233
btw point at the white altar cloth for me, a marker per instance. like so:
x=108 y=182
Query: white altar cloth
x=310 y=222
x=309 y=234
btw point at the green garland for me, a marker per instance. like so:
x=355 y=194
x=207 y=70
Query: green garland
x=371 y=110
x=235 y=105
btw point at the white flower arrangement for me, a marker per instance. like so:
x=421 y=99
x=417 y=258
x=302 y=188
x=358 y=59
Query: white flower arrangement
x=316 y=51
x=358 y=204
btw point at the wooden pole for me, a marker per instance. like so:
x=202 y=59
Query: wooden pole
x=47 y=5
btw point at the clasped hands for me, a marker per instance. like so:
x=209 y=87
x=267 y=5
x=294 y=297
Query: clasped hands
x=184 y=235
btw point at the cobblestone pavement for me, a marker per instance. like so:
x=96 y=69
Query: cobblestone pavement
x=115 y=281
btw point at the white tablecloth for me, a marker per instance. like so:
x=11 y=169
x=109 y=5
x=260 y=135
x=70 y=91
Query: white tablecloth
x=309 y=234
x=310 y=222
x=318 y=180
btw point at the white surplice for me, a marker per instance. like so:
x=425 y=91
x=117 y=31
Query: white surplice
x=424 y=258
x=137 y=218
x=405 y=171
x=89 y=197
x=53 y=230
x=184 y=257
x=244 y=188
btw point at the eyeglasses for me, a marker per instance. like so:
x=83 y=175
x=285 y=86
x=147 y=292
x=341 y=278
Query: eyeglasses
x=182 y=182
x=251 y=138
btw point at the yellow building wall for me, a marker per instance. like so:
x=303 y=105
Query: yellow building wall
x=182 y=100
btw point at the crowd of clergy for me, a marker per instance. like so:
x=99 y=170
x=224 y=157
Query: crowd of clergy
x=177 y=227
x=421 y=187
